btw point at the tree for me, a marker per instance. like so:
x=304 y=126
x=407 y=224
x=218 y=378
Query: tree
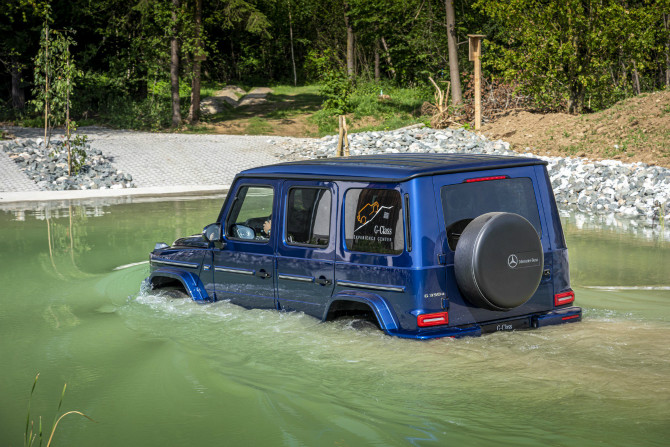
x=17 y=21
x=44 y=67
x=290 y=28
x=194 y=111
x=350 y=42
x=454 y=71
x=174 y=66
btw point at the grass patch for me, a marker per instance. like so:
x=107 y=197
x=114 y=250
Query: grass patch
x=118 y=107
x=258 y=126
x=368 y=112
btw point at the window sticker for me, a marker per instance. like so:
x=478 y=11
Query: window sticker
x=373 y=222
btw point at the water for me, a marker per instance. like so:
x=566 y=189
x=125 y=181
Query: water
x=153 y=370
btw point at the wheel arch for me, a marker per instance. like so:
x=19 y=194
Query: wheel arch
x=376 y=303
x=190 y=282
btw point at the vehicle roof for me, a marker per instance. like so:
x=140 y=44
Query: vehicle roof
x=387 y=167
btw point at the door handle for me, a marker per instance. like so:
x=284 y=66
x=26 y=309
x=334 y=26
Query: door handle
x=263 y=274
x=323 y=281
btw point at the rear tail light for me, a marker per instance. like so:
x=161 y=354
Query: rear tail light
x=436 y=319
x=485 y=179
x=564 y=298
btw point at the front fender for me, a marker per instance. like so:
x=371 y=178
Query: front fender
x=189 y=280
x=383 y=312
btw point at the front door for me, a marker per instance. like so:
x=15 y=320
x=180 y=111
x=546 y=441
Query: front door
x=306 y=247
x=244 y=268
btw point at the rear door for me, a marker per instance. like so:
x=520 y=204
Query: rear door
x=462 y=197
x=306 y=246
x=244 y=269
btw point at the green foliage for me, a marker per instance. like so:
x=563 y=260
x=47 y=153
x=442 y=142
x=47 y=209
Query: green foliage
x=77 y=156
x=55 y=75
x=402 y=109
x=55 y=78
x=33 y=433
x=336 y=86
x=365 y=100
x=574 y=53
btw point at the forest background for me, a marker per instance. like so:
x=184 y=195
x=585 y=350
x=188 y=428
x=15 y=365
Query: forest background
x=145 y=63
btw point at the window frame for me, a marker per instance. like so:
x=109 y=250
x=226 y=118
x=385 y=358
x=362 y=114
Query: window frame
x=232 y=207
x=286 y=210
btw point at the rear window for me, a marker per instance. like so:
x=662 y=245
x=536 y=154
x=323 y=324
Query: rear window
x=465 y=201
x=373 y=222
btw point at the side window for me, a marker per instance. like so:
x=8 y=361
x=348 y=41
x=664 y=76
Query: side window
x=308 y=216
x=373 y=221
x=251 y=215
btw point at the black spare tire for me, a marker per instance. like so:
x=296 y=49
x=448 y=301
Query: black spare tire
x=498 y=261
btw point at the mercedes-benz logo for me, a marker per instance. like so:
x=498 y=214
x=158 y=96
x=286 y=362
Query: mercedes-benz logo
x=512 y=261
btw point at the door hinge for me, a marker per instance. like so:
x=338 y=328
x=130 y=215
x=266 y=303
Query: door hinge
x=442 y=258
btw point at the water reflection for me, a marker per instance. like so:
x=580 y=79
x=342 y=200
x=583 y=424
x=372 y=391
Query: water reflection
x=67 y=239
x=637 y=227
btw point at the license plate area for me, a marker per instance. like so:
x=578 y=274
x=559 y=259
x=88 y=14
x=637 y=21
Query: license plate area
x=506 y=326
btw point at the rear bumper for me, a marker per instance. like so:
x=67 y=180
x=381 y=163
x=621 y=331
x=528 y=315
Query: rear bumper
x=558 y=316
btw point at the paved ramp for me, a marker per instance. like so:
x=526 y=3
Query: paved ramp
x=162 y=159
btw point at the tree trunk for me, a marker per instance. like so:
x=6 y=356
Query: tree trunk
x=18 y=96
x=67 y=116
x=636 y=79
x=290 y=33
x=455 y=77
x=377 y=73
x=174 y=67
x=576 y=99
x=194 y=111
x=46 y=86
x=236 y=68
x=666 y=24
x=350 y=46
x=388 y=57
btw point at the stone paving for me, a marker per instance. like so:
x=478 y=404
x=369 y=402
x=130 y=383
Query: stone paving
x=11 y=178
x=164 y=160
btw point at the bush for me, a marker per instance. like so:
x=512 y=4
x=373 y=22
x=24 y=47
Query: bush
x=118 y=104
x=336 y=86
x=401 y=108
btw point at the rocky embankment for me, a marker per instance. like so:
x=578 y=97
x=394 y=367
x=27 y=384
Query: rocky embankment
x=47 y=167
x=606 y=186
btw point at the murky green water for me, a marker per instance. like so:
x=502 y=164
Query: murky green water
x=154 y=371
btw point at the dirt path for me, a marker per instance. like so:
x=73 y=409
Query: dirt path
x=233 y=96
x=261 y=111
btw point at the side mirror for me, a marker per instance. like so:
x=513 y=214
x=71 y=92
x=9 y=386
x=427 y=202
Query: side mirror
x=243 y=232
x=212 y=234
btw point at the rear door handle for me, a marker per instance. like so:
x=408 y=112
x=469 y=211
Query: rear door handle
x=323 y=281
x=263 y=274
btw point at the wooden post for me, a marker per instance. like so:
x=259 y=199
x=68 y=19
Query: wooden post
x=340 y=137
x=346 y=136
x=343 y=139
x=475 y=52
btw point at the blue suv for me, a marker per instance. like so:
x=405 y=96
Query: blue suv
x=424 y=246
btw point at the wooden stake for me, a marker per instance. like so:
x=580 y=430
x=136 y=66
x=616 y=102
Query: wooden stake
x=340 y=137
x=346 y=136
x=475 y=53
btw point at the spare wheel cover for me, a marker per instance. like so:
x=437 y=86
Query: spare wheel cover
x=498 y=261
